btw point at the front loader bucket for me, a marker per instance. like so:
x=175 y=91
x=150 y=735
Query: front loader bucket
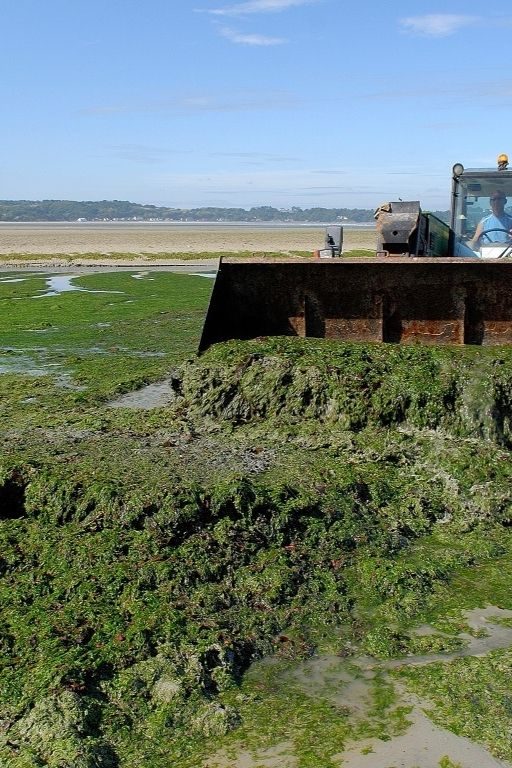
x=395 y=299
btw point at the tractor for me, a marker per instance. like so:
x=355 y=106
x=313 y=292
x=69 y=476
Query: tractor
x=429 y=282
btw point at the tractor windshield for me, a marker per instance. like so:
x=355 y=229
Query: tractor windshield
x=473 y=196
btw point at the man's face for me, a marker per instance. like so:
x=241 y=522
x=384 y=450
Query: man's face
x=497 y=202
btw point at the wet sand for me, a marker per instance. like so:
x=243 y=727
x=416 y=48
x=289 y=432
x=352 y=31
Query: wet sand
x=423 y=745
x=111 y=242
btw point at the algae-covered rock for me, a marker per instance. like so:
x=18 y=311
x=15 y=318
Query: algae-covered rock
x=61 y=731
x=213 y=719
x=148 y=686
x=166 y=689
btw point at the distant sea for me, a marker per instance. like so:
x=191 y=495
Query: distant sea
x=172 y=224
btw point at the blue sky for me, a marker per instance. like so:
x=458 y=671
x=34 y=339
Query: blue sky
x=258 y=102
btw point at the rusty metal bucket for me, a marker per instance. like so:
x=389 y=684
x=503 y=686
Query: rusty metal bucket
x=395 y=299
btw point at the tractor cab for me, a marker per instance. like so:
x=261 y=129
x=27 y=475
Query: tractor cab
x=482 y=197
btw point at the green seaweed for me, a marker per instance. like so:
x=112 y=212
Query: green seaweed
x=297 y=497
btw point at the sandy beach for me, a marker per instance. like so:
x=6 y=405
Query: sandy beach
x=139 y=242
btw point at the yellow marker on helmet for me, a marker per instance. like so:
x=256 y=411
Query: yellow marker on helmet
x=502 y=161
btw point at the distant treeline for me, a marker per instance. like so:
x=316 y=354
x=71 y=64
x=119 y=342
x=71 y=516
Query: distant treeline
x=122 y=210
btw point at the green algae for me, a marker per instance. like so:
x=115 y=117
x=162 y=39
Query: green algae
x=355 y=385
x=147 y=559
x=253 y=563
x=445 y=762
x=106 y=343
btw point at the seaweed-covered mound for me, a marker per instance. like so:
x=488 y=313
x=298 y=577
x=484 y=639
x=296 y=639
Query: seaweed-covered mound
x=134 y=597
x=467 y=392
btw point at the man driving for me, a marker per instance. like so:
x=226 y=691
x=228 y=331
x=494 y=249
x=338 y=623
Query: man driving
x=497 y=226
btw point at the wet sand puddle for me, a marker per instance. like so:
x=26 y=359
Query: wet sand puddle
x=21 y=363
x=146 y=275
x=348 y=684
x=151 y=396
x=32 y=362
x=57 y=284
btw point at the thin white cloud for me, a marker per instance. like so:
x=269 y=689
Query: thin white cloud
x=257 y=6
x=437 y=24
x=185 y=105
x=284 y=187
x=241 y=38
x=141 y=153
x=242 y=103
x=256 y=156
x=452 y=91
